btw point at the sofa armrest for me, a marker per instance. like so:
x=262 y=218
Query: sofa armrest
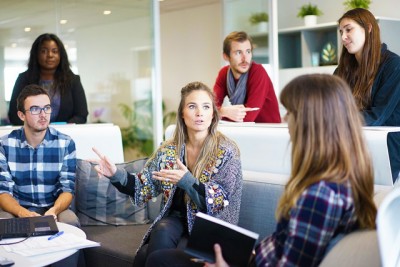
x=357 y=249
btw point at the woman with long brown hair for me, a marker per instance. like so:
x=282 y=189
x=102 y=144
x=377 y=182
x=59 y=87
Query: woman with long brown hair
x=373 y=73
x=330 y=189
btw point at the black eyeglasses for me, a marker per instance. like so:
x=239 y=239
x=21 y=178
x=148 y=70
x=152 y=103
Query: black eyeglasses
x=35 y=110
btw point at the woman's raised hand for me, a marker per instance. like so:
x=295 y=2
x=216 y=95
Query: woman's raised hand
x=171 y=176
x=104 y=166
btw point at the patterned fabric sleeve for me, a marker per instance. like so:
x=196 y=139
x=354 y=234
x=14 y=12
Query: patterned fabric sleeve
x=224 y=189
x=147 y=188
x=311 y=226
x=227 y=178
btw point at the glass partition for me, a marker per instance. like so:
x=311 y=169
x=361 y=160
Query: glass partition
x=253 y=18
x=110 y=44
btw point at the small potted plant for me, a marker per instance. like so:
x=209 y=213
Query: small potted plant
x=351 y=4
x=261 y=20
x=309 y=13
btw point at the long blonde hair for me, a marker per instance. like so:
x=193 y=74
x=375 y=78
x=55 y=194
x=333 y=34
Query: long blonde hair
x=327 y=143
x=180 y=136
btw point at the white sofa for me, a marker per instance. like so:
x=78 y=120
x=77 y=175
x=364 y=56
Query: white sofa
x=105 y=136
x=265 y=155
x=266 y=148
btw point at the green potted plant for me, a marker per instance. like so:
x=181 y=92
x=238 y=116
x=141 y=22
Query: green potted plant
x=137 y=136
x=351 y=4
x=309 y=13
x=261 y=20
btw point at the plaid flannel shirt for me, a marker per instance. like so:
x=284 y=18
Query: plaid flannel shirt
x=323 y=211
x=36 y=176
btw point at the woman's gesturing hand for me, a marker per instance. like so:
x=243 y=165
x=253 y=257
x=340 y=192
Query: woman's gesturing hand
x=104 y=165
x=171 y=176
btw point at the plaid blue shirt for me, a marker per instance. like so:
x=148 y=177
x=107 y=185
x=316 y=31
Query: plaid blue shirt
x=323 y=211
x=36 y=176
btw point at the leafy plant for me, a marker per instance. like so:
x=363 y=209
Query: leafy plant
x=309 y=9
x=329 y=54
x=139 y=132
x=351 y=4
x=256 y=18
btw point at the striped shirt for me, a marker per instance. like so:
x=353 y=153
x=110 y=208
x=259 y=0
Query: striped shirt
x=322 y=212
x=36 y=176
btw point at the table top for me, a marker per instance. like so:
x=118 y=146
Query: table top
x=45 y=259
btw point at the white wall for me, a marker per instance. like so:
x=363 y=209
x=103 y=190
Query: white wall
x=191 y=49
x=333 y=10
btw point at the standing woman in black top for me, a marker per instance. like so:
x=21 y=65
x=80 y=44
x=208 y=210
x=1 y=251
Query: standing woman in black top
x=49 y=67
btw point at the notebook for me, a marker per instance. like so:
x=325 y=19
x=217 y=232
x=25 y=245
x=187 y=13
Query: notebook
x=236 y=242
x=29 y=226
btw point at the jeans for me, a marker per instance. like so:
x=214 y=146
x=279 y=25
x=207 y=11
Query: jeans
x=166 y=234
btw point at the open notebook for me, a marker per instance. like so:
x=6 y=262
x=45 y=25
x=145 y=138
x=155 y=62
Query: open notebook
x=29 y=226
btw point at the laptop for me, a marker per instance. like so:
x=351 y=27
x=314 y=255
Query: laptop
x=28 y=226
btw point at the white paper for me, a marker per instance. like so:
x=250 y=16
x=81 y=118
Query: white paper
x=40 y=245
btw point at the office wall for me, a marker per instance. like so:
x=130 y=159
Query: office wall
x=287 y=17
x=191 y=39
x=111 y=66
x=191 y=49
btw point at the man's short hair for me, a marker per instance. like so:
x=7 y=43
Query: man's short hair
x=29 y=90
x=235 y=37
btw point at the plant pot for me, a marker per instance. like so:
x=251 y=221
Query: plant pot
x=310 y=20
x=262 y=26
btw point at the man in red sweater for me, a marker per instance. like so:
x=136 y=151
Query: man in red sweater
x=246 y=83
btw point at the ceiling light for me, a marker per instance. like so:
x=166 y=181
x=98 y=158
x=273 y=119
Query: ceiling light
x=27 y=29
x=107 y=12
x=13 y=45
x=63 y=21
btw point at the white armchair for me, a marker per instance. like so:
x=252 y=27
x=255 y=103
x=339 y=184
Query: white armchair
x=388 y=228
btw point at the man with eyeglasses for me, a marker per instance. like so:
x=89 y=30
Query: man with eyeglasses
x=37 y=163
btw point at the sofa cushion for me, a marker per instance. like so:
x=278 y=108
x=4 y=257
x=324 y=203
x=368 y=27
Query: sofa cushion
x=118 y=244
x=98 y=202
x=260 y=196
x=359 y=248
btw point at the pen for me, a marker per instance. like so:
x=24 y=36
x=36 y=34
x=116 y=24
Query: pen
x=56 y=235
